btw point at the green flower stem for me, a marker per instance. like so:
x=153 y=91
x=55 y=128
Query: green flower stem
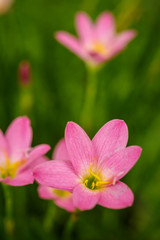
x=70 y=225
x=90 y=96
x=8 y=220
x=25 y=101
x=49 y=217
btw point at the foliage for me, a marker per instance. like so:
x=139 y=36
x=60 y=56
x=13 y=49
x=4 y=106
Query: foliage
x=128 y=88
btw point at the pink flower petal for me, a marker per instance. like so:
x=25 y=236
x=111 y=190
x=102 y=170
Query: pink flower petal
x=60 y=151
x=3 y=147
x=121 y=40
x=121 y=162
x=105 y=27
x=84 y=198
x=34 y=163
x=19 y=137
x=66 y=203
x=84 y=27
x=21 y=179
x=117 y=196
x=37 y=152
x=112 y=137
x=56 y=174
x=3 y=143
x=79 y=146
x=71 y=43
x=45 y=192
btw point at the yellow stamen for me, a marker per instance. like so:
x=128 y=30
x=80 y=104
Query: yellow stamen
x=101 y=183
x=92 y=173
x=86 y=181
x=99 y=48
x=10 y=169
x=94 y=181
x=93 y=185
x=6 y=158
x=3 y=171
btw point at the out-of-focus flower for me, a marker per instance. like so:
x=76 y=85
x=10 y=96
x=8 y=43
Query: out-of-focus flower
x=62 y=198
x=24 y=73
x=5 y=5
x=97 y=42
x=94 y=168
x=17 y=158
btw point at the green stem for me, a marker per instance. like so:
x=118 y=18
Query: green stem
x=8 y=220
x=49 y=217
x=91 y=91
x=70 y=225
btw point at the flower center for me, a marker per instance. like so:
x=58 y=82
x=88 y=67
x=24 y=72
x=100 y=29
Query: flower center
x=93 y=181
x=10 y=169
x=61 y=193
x=98 y=48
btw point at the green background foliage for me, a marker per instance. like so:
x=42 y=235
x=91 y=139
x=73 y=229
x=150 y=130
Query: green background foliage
x=128 y=89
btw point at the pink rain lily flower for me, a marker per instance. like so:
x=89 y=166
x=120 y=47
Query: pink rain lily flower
x=62 y=198
x=17 y=158
x=94 y=168
x=5 y=5
x=96 y=43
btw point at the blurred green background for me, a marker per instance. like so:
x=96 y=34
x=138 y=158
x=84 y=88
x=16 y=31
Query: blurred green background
x=128 y=88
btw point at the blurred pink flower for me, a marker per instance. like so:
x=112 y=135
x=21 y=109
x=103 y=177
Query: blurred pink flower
x=17 y=158
x=94 y=168
x=5 y=5
x=24 y=72
x=97 y=42
x=62 y=198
